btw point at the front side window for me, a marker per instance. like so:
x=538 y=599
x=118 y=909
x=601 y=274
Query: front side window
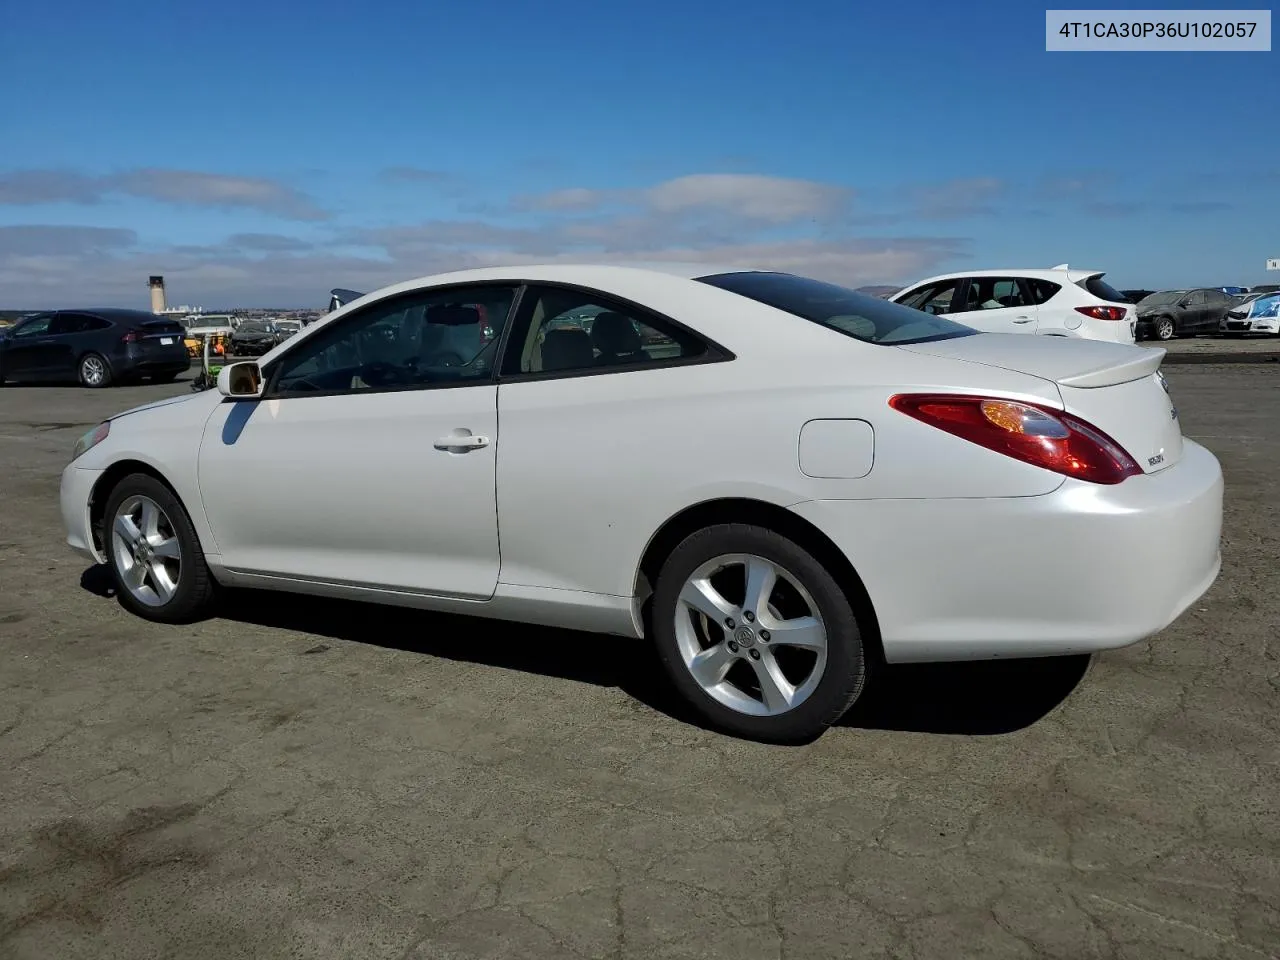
x=34 y=327
x=423 y=339
x=846 y=311
x=576 y=331
x=935 y=298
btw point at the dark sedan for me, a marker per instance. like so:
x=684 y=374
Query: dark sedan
x=96 y=347
x=1176 y=313
x=253 y=338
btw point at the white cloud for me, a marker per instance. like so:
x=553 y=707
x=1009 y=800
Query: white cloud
x=184 y=187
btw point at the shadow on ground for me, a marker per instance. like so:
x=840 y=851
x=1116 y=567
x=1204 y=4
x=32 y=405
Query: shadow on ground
x=973 y=699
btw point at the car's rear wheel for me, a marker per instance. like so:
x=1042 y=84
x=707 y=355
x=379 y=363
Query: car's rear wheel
x=1165 y=328
x=757 y=635
x=94 y=371
x=155 y=556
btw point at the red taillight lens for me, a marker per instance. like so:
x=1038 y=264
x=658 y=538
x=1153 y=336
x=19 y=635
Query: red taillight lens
x=1104 y=313
x=133 y=336
x=1037 y=435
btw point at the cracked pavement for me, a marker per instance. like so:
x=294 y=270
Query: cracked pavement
x=312 y=779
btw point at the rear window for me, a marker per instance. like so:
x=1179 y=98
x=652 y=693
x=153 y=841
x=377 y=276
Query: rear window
x=846 y=311
x=1103 y=290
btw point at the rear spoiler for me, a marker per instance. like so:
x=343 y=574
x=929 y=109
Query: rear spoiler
x=339 y=297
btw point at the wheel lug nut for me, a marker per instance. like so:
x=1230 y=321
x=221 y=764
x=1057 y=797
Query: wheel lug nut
x=748 y=616
x=764 y=636
x=733 y=647
x=728 y=622
x=755 y=654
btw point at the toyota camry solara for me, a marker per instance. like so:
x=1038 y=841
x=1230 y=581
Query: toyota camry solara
x=778 y=482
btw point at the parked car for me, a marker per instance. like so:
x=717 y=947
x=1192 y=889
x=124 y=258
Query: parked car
x=813 y=482
x=1059 y=302
x=98 y=347
x=1266 y=288
x=1177 y=313
x=253 y=338
x=1256 y=314
x=809 y=481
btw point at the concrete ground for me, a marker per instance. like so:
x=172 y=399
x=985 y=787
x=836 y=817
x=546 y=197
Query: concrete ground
x=305 y=779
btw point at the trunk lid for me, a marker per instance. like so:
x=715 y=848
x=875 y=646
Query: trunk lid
x=1114 y=386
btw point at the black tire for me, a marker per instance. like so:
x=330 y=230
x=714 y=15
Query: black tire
x=848 y=663
x=196 y=588
x=1165 y=328
x=87 y=371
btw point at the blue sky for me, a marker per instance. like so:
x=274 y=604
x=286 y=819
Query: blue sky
x=261 y=153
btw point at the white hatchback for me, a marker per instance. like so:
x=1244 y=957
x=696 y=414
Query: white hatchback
x=1058 y=302
x=775 y=481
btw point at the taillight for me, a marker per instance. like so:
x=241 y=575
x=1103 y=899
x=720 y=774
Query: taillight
x=1104 y=313
x=1037 y=435
x=133 y=336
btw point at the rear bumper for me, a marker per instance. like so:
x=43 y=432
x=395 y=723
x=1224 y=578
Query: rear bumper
x=1082 y=569
x=75 y=491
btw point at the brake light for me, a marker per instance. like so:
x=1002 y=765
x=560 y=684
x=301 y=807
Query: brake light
x=1104 y=313
x=1040 y=436
x=133 y=336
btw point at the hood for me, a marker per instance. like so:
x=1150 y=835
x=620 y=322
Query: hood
x=1066 y=361
x=184 y=398
x=1264 y=307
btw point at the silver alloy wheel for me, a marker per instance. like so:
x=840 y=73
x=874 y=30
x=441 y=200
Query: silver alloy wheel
x=145 y=550
x=723 y=643
x=1164 y=328
x=92 y=370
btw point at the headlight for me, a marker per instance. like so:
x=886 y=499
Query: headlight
x=92 y=439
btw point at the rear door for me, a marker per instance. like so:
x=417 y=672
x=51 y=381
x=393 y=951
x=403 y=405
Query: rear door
x=998 y=305
x=70 y=334
x=1216 y=305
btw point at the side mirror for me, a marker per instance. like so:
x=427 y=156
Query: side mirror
x=240 y=381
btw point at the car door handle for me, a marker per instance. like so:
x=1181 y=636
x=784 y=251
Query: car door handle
x=1023 y=319
x=461 y=443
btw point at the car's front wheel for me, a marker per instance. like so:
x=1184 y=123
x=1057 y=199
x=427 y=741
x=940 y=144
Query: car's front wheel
x=757 y=635
x=155 y=556
x=1165 y=328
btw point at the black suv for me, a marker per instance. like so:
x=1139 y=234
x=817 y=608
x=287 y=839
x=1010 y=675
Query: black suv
x=96 y=347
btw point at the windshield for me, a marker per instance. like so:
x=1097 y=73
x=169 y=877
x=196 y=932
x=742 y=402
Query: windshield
x=846 y=311
x=1168 y=296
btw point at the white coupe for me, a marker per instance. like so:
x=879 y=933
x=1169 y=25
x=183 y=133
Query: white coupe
x=777 y=481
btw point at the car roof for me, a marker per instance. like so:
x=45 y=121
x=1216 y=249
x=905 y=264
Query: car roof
x=1055 y=274
x=607 y=276
x=118 y=314
x=582 y=270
